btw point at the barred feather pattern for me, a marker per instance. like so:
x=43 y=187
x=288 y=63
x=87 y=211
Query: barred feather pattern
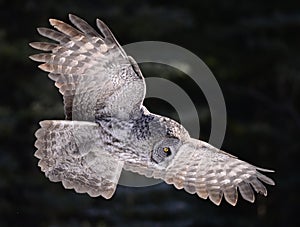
x=69 y=152
x=103 y=91
x=91 y=71
x=202 y=169
x=209 y=173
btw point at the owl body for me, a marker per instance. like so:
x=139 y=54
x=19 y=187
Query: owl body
x=139 y=134
x=107 y=128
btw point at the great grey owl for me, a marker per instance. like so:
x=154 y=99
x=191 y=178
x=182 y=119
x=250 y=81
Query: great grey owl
x=108 y=129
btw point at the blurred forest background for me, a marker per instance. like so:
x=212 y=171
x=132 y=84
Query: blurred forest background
x=252 y=47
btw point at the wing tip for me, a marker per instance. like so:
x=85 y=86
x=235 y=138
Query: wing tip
x=99 y=21
x=265 y=170
x=40 y=30
x=32 y=57
x=33 y=44
x=73 y=17
x=46 y=67
x=45 y=123
x=231 y=197
x=55 y=22
x=37 y=57
x=232 y=203
x=43 y=31
x=271 y=182
x=216 y=202
x=265 y=179
x=101 y=25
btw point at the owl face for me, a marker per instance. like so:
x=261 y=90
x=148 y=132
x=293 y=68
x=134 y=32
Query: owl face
x=164 y=151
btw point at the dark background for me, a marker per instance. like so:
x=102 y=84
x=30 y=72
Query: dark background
x=252 y=47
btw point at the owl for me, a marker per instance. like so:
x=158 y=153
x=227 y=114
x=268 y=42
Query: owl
x=107 y=129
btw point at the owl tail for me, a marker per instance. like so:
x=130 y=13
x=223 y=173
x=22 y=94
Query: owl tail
x=70 y=152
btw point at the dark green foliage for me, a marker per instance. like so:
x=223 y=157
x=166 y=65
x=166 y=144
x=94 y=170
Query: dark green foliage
x=252 y=47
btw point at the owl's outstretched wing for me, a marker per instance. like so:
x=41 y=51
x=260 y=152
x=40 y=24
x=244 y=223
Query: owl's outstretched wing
x=203 y=169
x=69 y=152
x=92 y=71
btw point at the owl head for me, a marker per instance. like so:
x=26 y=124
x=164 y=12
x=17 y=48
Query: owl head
x=164 y=150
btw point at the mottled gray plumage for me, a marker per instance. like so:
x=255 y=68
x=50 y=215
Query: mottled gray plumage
x=108 y=129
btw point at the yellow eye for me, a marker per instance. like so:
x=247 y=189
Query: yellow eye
x=166 y=149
